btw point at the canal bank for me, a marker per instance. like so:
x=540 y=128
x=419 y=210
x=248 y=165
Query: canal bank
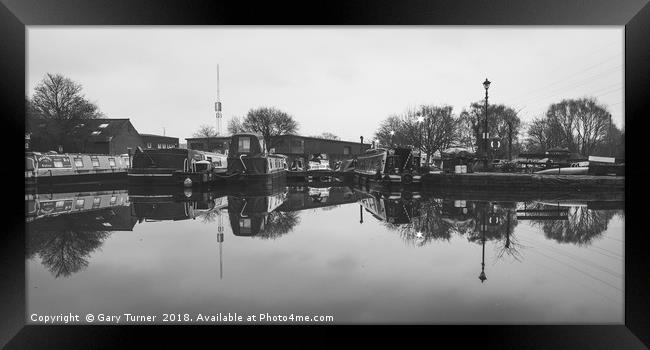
x=524 y=182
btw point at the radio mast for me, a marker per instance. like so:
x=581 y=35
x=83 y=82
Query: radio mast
x=217 y=106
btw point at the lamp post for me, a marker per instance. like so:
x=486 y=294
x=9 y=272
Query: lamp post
x=486 y=85
x=392 y=133
x=361 y=146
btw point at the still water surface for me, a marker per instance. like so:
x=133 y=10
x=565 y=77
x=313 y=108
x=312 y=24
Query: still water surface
x=361 y=256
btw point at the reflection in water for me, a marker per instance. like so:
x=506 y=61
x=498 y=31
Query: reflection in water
x=65 y=229
x=376 y=255
x=65 y=239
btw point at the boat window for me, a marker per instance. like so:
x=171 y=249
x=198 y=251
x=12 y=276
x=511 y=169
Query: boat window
x=80 y=204
x=347 y=150
x=97 y=132
x=111 y=162
x=79 y=162
x=126 y=161
x=58 y=163
x=244 y=144
x=97 y=201
x=113 y=200
x=148 y=144
x=95 y=161
x=245 y=225
x=103 y=126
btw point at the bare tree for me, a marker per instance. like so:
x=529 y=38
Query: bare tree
x=429 y=128
x=327 y=136
x=56 y=105
x=503 y=125
x=270 y=122
x=235 y=126
x=57 y=97
x=205 y=131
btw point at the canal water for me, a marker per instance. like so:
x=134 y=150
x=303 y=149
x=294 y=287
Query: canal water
x=325 y=249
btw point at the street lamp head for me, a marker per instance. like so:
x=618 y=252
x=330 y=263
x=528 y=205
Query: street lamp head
x=482 y=277
x=486 y=84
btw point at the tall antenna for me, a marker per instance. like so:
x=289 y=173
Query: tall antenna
x=220 y=240
x=217 y=105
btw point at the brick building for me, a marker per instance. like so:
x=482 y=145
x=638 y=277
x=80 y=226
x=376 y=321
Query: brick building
x=290 y=145
x=159 y=141
x=99 y=136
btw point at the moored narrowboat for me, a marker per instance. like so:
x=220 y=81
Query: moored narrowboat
x=175 y=166
x=249 y=161
x=394 y=165
x=249 y=214
x=72 y=168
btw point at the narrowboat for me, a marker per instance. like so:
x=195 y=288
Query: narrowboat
x=39 y=205
x=394 y=165
x=319 y=167
x=72 y=168
x=394 y=209
x=175 y=166
x=249 y=215
x=170 y=207
x=248 y=160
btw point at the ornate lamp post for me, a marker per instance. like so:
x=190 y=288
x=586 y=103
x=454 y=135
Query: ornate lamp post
x=486 y=85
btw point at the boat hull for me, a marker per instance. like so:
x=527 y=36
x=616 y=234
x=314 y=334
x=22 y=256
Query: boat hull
x=565 y=171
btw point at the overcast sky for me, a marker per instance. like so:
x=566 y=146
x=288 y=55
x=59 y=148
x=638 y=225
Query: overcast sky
x=343 y=80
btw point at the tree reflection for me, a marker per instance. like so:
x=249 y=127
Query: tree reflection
x=582 y=226
x=278 y=223
x=63 y=248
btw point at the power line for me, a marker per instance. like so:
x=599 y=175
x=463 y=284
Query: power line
x=575 y=84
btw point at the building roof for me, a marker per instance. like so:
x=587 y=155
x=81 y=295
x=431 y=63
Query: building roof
x=154 y=135
x=98 y=129
x=286 y=135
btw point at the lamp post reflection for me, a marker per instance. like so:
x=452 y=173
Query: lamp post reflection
x=482 y=276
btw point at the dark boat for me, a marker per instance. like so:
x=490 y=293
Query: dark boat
x=394 y=165
x=248 y=160
x=394 y=208
x=72 y=168
x=249 y=215
x=175 y=166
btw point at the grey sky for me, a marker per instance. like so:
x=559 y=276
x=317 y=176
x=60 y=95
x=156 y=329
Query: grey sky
x=343 y=80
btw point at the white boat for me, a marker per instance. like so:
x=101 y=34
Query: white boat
x=580 y=168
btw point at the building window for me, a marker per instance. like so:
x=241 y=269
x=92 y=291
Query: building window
x=95 y=161
x=148 y=144
x=347 y=150
x=78 y=162
x=244 y=144
x=111 y=162
x=102 y=126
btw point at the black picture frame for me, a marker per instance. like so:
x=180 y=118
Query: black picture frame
x=15 y=15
